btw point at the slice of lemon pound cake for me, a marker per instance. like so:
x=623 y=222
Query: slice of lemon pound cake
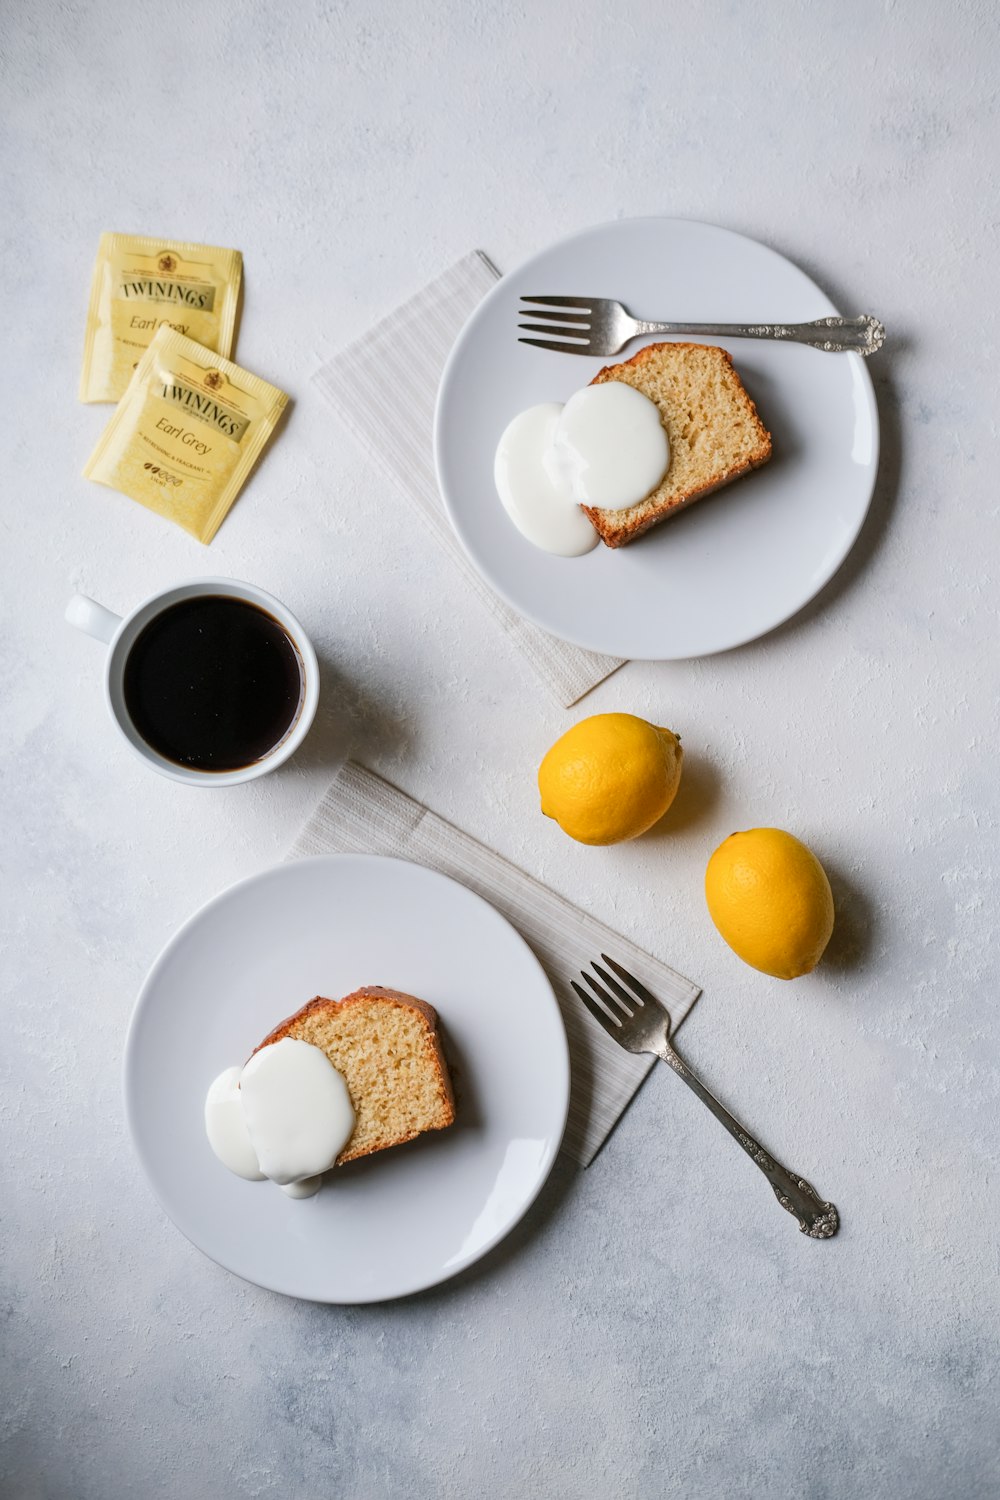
x=712 y=425
x=387 y=1047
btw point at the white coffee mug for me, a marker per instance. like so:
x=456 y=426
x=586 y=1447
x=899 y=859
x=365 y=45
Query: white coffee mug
x=120 y=636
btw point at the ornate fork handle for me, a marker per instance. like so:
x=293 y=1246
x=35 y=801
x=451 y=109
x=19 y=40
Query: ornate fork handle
x=817 y=1219
x=864 y=335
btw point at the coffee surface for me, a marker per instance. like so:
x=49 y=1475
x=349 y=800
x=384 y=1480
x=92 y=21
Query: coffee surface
x=213 y=683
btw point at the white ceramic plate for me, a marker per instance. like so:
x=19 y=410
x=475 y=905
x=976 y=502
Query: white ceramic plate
x=731 y=567
x=402 y=1220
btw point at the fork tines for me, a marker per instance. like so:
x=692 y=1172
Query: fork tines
x=573 y=326
x=620 y=1004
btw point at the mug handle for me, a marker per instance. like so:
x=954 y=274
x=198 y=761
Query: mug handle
x=87 y=615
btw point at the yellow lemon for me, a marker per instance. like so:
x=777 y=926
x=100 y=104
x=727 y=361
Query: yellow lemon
x=770 y=899
x=610 y=777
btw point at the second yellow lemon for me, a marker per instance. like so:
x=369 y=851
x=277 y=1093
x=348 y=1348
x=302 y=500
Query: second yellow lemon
x=610 y=778
x=769 y=897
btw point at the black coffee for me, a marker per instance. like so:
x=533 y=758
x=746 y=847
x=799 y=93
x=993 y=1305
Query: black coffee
x=213 y=683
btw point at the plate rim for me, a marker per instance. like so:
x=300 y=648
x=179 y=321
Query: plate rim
x=592 y=644
x=131 y=1047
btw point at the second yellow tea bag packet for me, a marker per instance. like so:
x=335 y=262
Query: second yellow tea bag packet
x=139 y=284
x=186 y=433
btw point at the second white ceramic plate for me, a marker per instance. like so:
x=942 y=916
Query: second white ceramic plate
x=731 y=567
x=404 y=1219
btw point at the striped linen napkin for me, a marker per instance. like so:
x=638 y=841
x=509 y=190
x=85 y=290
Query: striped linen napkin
x=384 y=387
x=363 y=814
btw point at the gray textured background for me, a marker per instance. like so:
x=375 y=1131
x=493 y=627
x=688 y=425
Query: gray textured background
x=658 y=1327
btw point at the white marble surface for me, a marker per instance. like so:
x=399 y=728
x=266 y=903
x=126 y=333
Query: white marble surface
x=658 y=1327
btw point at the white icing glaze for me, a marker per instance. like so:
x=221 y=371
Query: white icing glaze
x=226 y=1127
x=534 y=493
x=611 y=444
x=286 y=1115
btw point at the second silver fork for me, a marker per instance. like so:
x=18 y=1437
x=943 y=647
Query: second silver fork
x=637 y=1021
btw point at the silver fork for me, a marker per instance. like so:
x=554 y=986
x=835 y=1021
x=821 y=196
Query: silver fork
x=597 y=325
x=638 y=1022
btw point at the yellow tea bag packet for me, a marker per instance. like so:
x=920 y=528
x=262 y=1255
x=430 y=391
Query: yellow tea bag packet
x=139 y=284
x=186 y=433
